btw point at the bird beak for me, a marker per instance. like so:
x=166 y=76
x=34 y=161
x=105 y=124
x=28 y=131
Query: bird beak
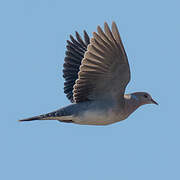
x=154 y=102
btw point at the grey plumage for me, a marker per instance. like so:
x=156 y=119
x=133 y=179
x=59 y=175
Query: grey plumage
x=96 y=73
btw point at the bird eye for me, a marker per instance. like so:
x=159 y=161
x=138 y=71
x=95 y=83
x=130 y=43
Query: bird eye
x=145 y=95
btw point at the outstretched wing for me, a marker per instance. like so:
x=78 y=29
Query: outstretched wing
x=74 y=55
x=104 y=70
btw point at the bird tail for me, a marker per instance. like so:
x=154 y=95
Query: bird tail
x=31 y=118
x=48 y=116
x=55 y=115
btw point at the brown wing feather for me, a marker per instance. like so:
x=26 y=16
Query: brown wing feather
x=104 y=71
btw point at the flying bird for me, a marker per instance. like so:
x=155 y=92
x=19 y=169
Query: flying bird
x=96 y=73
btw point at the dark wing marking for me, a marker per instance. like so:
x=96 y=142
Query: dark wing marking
x=74 y=55
x=104 y=71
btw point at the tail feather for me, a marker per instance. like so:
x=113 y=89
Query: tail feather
x=56 y=115
x=47 y=116
x=31 y=118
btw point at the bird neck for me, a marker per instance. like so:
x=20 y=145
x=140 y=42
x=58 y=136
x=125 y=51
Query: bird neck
x=131 y=103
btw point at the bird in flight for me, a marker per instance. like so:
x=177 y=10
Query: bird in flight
x=96 y=73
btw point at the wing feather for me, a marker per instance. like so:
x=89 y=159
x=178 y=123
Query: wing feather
x=76 y=49
x=104 y=70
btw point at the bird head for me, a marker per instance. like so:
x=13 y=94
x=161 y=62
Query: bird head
x=143 y=98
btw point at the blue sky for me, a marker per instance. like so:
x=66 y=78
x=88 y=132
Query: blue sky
x=33 y=37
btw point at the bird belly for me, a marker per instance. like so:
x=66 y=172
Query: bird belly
x=97 y=118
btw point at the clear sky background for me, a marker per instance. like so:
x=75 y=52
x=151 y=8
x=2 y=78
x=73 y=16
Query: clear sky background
x=33 y=36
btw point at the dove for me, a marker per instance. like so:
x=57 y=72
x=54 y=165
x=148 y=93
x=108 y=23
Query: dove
x=96 y=73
